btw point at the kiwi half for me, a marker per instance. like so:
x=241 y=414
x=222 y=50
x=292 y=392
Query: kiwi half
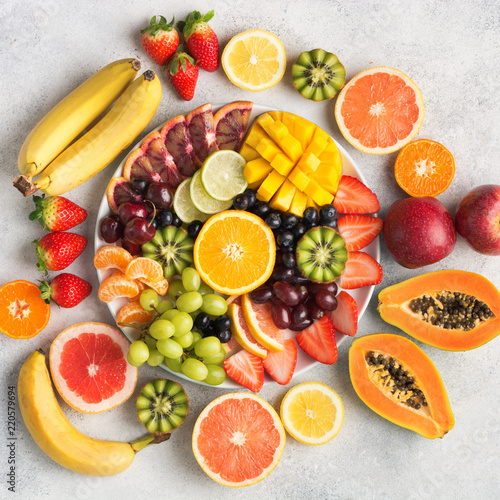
x=162 y=405
x=321 y=254
x=318 y=75
x=172 y=248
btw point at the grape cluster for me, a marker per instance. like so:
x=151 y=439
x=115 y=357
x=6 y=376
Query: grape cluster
x=174 y=338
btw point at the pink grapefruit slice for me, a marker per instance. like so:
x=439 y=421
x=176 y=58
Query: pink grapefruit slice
x=88 y=364
x=380 y=110
x=230 y=124
x=238 y=439
x=242 y=333
x=200 y=124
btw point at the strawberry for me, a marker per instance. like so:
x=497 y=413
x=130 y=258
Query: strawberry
x=57 y=213
x=318 y=340
x=353 y=197
x=160 y=40
x=360 y=270
x=358 y=231
x=246 y=369
x=345 y=316
x=183 y=74
x=66 y=290
x=56 y=251
x=281 y=365
x=201 y=41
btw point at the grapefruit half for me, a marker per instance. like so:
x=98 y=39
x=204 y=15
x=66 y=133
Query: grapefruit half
x=88 y=364
x=380 y=110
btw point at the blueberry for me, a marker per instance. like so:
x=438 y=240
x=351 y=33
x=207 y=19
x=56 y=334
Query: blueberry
x=273 y=220
x=222 y=322
x=250 y=193
x=299 y=230
x=209 y=331
x=289 y=221
x=288 y=259
x=139 y=185
x=194 y=228
x=261 y=208
x=224 y=336
x=241 y=202
x=329 y=223
x=202 y=321
x=310 y=216
x=285 y=240
x=164 y=218
x=176 y=221
x=328 y=213
x=152 y=221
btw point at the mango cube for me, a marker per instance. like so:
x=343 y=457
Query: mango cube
x=257 y=170
x=332 y=156
x=283 y=197
x=308 y=163
x=317 y=193
x=304 y=131
x=282 y=164
x=248 y=152
x=319 y=133
x=270 y=185
x=291 y=147
x=289 y=120
x=265 y=120
x=317 y=146
x=255 y=134
x=276 y=115
x=327 y=176
x=310 y=203
x=298 y=204
x=268 y=149
x=299 y=179
x=277 y=130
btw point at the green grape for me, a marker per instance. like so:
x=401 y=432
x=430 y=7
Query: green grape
x=213 y=304
x=155 y=357
x=139 y=351
x=150 y=341
x=169 y=348
x=191 y=279
x=194 y=369
x=216 y=375
x=132 y=362
x=196 y=338
x=216 y=358
x=164 y=306
x=207 y=347
x=183 y=323
x=173 y=364
x=186 y=340
x=176 y=289
x=189 y=302
x=204 y=289
x=149 y=299
x=170 y=314
x=161 y=329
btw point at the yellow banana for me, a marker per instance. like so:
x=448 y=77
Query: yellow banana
x=56 y=435
x=58 y=128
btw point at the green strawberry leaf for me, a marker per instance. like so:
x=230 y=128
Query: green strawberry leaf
x=46 y=291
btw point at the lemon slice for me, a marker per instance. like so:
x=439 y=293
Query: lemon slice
x=202 y=200
x=312 y=413
x=183 y=205
x=254 y=60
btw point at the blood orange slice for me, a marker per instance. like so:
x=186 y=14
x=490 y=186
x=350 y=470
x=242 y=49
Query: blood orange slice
x=230 y=124
x=200 y=124
x=238 y=439
x=88 y=364
x=119 y=191
x=379 y=110
x=175 y=135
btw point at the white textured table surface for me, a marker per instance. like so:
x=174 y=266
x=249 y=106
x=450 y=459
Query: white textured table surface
x=451 y=52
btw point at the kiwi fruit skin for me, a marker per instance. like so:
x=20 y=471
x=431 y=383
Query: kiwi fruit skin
x=172 y=248
x=326 y=240
x=162 y=406
x=318 y=75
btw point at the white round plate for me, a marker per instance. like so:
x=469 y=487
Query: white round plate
x=304 y=362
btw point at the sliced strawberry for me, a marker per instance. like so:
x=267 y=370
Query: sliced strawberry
x=318 y=340
x=246 y=369
x=345 y=316
x=360 y=270
x=281 y=365
x=359 y=231
x=353 y=197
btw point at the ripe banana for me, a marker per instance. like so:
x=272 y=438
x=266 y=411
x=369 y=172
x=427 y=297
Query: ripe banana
x=60 y=126
x=58 y=438
x=103 y=143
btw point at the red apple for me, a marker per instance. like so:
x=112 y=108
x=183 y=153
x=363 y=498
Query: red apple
x=478 y=219
x=419 y=231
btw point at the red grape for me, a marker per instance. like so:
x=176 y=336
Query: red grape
x=314 y=310
x=287 y=293
x=315 y=288
x=298 y=327
x=300 y=313
x=303 y=293
x=281 y=315
x=261 y=295
x=282 y=273
x=326 y=300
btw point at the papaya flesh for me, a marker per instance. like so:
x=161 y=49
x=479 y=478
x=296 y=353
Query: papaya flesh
x=397 y=380
x=451 y=310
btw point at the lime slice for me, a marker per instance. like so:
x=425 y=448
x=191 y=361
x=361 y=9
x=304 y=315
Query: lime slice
x=202 y=200
x=183 y=205
x=222 y=175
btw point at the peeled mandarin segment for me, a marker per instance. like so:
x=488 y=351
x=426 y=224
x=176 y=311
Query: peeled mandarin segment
x=282 y=164
x=160 y=286
x=298 y=178
x=248 y=152
x=270 y=185
x=308 y=163
x=298 y=204
x=112 y=257
x=143 y=267
x=133 y=313
x=257 y=170
x=283 y=197
x=117 y=285
x=268 y=149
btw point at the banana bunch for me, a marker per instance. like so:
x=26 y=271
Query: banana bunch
x=58 y=438
x=62 y=166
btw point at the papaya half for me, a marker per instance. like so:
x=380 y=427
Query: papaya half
x=397 y=380
x=451 y=310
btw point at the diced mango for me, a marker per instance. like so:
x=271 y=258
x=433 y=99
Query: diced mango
x=327 y=176
x=320 y=133
x=291 y=147
x=254 y=185
x=255 y=134
x=310 y=203
x=268 y=149
x=308 y=163
x=298 y=204
x=318 y=194
x=332 y=156
x=288 y=120
x=277 y=130
x=270 y=185
x=282 y=164
x=276 y=115
x=265 y=120
x=248 y=152
x=257 y=170
x=304 y=131
x=283 y=197
x=317 y=146
x=299 y=179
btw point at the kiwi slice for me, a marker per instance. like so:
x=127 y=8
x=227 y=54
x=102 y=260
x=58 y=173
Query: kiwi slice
x=318 y=75
x=321 y=254
x=172 y=248
x=162 y=405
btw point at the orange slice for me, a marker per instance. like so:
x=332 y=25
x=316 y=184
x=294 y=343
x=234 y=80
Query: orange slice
x=260 y=322
x=241 y=332
x=23 y=314
x=111 y=257
x=118 y=285
x=424 y=168
x=246 y=448
x=380 y=110
x=133 y=314
x=234 y=252
x=144 y=268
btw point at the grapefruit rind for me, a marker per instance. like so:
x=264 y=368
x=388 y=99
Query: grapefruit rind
x=202 y=460
x=401 y=142
x=241 y=332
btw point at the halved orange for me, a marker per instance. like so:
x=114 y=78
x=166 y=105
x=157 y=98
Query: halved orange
x=234 y=252
x=133 y=313
x=23 y=314
x=144 y=268
x=424 y=168
x=112 y=257
x=118 y=285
